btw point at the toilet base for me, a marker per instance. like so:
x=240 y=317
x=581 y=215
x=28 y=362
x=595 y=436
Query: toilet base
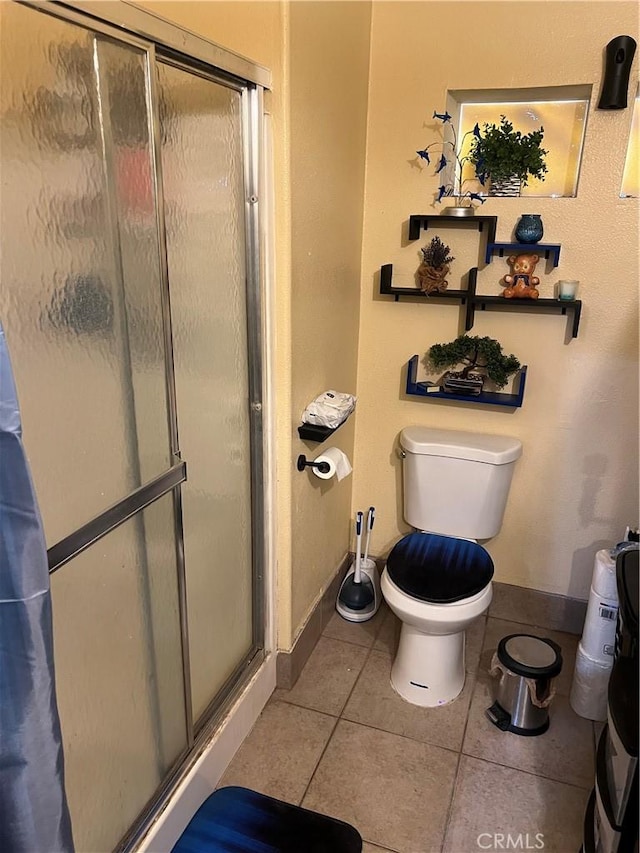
x=428 y=670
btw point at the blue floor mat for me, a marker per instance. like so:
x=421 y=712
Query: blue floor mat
x=237 y=820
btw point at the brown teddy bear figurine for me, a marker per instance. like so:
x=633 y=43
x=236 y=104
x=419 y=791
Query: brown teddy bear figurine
x=521 y=284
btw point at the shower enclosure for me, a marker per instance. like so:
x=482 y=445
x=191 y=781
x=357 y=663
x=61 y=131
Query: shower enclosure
x=130 y=298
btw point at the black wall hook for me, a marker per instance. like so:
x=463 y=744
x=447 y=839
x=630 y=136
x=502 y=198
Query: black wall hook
x=323 y=467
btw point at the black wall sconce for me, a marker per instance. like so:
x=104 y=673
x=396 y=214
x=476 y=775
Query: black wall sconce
x=619 y=55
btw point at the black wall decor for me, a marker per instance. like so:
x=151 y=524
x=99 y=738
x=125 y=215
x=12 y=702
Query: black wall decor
x=619 y=55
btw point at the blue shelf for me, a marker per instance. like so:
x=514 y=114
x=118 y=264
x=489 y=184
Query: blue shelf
x=491 y=398
x=549 y=249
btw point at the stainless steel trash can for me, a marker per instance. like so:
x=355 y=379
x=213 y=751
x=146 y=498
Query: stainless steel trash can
x=524 y=667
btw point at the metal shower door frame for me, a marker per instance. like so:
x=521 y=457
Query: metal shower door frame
x=161 y=41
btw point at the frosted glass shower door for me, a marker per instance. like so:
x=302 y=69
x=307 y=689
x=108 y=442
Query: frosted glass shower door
x=204 y=196
x=80 y=292
x=130 y=299
x=82 y=306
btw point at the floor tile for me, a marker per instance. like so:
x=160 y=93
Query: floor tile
x=473 y=643
x=373 y=848
x=328 y=676
x=394 y=790
x=499 y=628
x=328 y=604
x=531 y=607
x=490 y=799
x=564 y=752
x=375 y=703
x=389 y=635
x=360 y=633
x=281 y=752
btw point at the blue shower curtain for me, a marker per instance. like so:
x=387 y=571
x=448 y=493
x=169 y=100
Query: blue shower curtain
x=34 y=817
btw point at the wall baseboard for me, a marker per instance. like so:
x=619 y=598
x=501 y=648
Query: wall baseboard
x=534 y=607
x=289 y=665
x=512 y=603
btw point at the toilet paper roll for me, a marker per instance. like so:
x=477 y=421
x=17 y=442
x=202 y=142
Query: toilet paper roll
x=599 y=632
x=588 y=696
x=604 y=575
x=339 y=465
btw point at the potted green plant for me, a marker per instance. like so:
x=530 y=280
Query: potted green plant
x=434 y=267
x=480 y=356
x=508 y=157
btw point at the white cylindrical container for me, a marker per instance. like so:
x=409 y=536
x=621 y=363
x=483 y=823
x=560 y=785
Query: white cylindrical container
x=588 y=695
x=604 y=575
x=567 y=289
x=599 y=633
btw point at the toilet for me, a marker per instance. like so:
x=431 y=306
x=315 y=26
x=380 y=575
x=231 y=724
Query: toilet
x=438 y=579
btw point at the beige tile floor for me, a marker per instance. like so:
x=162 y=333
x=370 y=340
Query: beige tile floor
x=416 y=780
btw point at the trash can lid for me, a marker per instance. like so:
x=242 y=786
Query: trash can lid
x=532 y=657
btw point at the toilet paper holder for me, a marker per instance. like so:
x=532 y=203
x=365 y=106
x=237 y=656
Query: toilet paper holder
x=303 y=463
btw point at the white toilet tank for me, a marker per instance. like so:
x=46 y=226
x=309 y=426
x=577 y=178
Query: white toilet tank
x=457 y=483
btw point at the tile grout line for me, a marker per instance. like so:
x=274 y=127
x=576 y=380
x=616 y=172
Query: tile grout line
x=532 y=625
x=404 y=737
x=464 y=734
x=339 y=717
x=586 y=787
x=342 y=640
x=397 y=734
x=297 y=704
x=386 y=849
x=321 y=756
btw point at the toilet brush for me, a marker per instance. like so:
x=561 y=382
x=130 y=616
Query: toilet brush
x=357 y=592
x=357 y=575
x=370 y=519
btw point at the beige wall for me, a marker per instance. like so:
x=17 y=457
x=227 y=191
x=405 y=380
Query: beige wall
x=576 y=486
x=572 y=492
x=329 y=68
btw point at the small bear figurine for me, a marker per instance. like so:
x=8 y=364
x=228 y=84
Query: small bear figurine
x=521 y=284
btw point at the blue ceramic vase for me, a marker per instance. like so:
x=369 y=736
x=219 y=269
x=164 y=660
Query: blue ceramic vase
x=529 y=228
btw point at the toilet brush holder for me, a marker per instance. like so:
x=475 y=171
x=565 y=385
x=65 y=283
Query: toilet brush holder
x=370 y=575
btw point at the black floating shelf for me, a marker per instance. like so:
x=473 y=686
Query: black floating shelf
x=419 y=222
x=549 y=250
x=491 y=398
x=317 y=432
x=554 y=305
x=475 y=301
x=386 y=288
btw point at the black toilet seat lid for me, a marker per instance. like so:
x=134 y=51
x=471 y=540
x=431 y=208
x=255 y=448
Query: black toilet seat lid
x=439 y=569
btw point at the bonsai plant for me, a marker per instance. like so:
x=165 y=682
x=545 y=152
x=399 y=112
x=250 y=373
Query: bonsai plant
x=451 y=159
x=508 y=156
x=480 y=356
x=434 y=267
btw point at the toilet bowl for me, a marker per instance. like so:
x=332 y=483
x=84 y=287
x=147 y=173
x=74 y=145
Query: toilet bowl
x=424 y=583
x=438 y=580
